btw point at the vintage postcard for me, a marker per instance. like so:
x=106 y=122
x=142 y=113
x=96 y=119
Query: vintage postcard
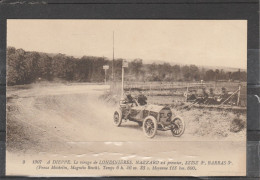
x=126 y=97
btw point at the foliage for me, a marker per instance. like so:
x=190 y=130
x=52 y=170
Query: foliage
x=24 y=67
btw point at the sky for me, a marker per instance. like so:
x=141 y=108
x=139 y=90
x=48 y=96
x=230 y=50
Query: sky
x=199 y=42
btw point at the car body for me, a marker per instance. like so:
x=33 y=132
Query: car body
x=150 y=117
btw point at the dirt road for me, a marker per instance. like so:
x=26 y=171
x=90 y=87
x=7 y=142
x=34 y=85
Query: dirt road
x=71 y=120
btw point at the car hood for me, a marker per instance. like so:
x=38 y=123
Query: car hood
x=154 y=108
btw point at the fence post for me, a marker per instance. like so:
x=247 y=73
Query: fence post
x=150 y=90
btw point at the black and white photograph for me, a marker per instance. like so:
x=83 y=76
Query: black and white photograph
x=126 y=97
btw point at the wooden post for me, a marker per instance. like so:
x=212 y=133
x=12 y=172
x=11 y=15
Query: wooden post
x=150 y=89
x=187 y=92
x=122 y=86
x=105 y=76
x=238 y=94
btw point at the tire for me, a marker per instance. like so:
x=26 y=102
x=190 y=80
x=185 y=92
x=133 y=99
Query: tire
x=179 y=126
x=117 y=117
x=150 y=126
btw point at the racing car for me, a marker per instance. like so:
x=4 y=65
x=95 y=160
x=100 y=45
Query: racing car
x=150 y=117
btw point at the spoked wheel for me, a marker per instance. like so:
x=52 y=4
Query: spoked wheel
x=117 y=118
x=150 y=126
x=179 y=127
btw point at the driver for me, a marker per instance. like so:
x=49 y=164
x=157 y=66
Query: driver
x=129 y=98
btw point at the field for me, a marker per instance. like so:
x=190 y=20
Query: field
x=75 y=120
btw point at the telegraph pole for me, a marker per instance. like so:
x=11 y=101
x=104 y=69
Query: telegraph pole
x=113 y=60
x=124 y=65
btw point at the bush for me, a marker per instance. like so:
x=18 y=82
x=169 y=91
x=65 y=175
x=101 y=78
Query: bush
x=237 y=125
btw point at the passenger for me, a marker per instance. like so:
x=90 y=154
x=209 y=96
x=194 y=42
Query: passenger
x=142 y=99
x=211 y=92
x=204 y=93
x=203 y=97
x=193 y=96
x=211 y=98
x=224 y=94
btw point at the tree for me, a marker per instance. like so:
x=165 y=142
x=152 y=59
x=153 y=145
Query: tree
x=216 y=75
x=176 y=72
x=135 y=68
x=186 y=73
x=152 y=72
x=165 y=71
x=16 y=69
x=31 y=66
x=202 y=73
x=98 y=73
x=210 y=75
x=239 y=76
x=194 y=72
x=63 y=67
x=44 y=67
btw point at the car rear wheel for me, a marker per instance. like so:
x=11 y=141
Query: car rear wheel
x=117 y=117
x=150 y=126
x=179 y=127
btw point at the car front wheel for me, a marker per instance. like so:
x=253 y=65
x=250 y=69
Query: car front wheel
x=150 y=126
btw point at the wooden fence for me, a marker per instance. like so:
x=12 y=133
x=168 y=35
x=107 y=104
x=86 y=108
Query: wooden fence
x=179 y=88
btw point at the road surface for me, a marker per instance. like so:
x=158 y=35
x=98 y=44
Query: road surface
x=71 y=121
